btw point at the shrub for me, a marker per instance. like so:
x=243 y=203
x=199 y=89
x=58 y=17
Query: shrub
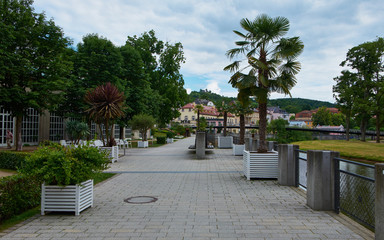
x=12 y=160
x=17 y=194
x=161 y=140
x=170 y=134
x=57 y=165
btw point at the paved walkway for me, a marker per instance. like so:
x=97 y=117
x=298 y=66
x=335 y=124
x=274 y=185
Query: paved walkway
x=197 y=199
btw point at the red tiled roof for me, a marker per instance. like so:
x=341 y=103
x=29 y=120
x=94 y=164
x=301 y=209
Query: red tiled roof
x=188 y=106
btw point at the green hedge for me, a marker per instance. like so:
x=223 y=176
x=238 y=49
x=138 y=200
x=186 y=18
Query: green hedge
x=12 y=160
x=18 y=194
x=161 y=140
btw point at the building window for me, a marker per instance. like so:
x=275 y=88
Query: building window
x=56 y=127
x=186 y=118
x=190 y=109
x=182 y=110
x=6 y=123
x=30 y=127
x=179 y=118
x=193 y=118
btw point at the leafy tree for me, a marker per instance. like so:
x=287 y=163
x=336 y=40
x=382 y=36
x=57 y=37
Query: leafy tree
x=202 y=124
x=322 y=117
x=345 y=92
x=277 y=128
x=366 y=60
x=162 y=62
x=143 y=123
x=271 y=60
x=33 y=61
x=106 y=104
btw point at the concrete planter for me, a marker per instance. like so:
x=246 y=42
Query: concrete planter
x=225 y=142
x=260 y=165
x=169 y=140
x=238 y=149
x=71 y=198
x=113 y=152
x=142 y=144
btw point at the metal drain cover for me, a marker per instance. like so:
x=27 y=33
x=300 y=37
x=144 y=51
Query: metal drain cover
x=140 y=200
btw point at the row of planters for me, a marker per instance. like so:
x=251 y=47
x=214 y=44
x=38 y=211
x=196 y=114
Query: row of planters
x=57 y=177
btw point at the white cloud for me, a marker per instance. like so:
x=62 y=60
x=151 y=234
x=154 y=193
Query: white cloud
x=205 y=28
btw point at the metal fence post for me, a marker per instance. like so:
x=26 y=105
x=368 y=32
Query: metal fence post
x=336 y=169
x=379 y=201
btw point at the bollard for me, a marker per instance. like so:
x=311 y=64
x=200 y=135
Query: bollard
x=379 y=201
x=320 y=180
x=200 y=145
x=288 y=164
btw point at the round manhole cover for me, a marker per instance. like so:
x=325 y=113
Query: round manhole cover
x=140 y=200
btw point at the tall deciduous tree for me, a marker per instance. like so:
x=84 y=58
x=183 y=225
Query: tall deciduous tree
x=33 y=61
x=162 y=62
x=271 y=60
x=366 y=60
x=345 y=92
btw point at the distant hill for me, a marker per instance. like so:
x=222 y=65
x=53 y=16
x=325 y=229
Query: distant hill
x=291 y=105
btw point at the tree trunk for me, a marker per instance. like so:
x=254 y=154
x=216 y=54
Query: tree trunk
x=121 y=132
x=225 y=124
x=198 y=120
x=347 y=124
x=90 y=127
x=19 y=144
x=262 y=127
x=363 y=128
x=101 y=134
x=378 y=128
x=242 y=129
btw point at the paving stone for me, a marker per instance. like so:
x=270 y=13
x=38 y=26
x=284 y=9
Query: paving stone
x=197 y=199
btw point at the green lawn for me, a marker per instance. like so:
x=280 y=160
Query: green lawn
x=352 y=149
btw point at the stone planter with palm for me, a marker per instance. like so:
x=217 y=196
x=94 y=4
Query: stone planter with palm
x=271 y=63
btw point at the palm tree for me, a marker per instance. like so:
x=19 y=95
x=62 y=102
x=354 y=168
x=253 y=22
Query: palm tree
x=223 y=107
x=270 y=59
x=242 y=109
x=198 y=108
x=106 y=104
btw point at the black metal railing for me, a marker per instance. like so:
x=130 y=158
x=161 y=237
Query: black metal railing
x=301 y=168
x=355 y=191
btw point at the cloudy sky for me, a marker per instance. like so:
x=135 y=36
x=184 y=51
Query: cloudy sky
x=328 y=29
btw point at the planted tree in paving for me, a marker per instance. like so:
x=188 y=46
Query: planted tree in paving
x=270 y=64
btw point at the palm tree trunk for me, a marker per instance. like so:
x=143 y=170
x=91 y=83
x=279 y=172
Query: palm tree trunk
x=242 y=129
x=19 y=144
x=225 y=123
x=198 y=120
x=101 y=134
x=262 y=127
x=107 y=132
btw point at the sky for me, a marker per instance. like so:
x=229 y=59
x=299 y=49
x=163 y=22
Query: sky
x=328 y=29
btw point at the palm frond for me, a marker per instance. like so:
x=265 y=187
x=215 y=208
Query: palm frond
x=231 y=53
x=233 y=66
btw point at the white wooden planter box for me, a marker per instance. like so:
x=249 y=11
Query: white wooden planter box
x=169 y=140
x=71 y=198
x=142 y=144
x=113 y=152
x=260 y=165
x=238 y=149
x=225 y=142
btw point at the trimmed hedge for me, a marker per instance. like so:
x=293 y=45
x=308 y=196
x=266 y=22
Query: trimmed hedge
x=161 y=140
x=12 y=160
x=18 y=194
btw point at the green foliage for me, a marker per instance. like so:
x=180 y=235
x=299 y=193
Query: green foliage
x=34 y=61
x=278 y=128
x=12 y=160
x=17 y=194
x=203 y=124
x=77 y=130
x=57 y=165
x=271 y=60
x=170 y=134
x=161 y=140
x=324 y=117
x=207 y=94
x=179 y=129
x=143 y=123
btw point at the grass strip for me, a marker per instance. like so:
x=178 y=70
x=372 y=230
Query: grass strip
x=352 y=149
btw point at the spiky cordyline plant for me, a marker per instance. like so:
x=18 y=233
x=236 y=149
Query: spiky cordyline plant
x=107 y=104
